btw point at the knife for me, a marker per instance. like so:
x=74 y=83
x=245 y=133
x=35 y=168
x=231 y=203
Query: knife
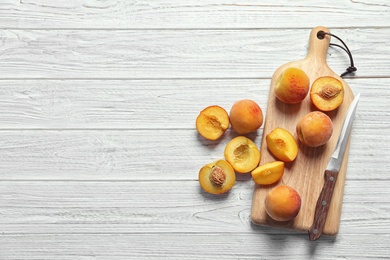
x=331 y=172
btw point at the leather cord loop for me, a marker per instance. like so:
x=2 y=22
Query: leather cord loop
x=351 y=68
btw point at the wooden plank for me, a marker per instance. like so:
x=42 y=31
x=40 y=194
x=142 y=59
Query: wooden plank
x=130 y=104
x=190 y=246
x=163 y=207
x=191 y=14
x=150 y=104
x=64 y=54
x=148 y=154
x=112 y=155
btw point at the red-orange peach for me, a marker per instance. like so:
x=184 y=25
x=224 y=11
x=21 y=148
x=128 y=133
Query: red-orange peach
x=292 y=86
x=282 y=203
x=314 y=129
x=246 y=116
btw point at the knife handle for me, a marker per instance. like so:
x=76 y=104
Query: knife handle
x=322 y=206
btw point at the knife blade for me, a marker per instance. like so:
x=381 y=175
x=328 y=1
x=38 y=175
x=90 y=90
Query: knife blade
x=331 y=173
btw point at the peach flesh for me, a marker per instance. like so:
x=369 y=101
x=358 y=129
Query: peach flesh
x=242 y=153
x=212 y=122
x=217 y=177
x=327 y=93
x=268 y=173
x=282 y=144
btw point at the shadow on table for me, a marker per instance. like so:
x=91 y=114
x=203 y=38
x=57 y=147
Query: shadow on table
x=279 y=238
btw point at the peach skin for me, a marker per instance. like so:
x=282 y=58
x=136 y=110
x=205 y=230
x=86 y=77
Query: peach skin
x=292 y=86
x=314 y=129
x=282 y=203
x=246 y=116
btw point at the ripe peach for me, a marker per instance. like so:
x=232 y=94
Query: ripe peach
x=282 y=145
x=242 y=154
x=268 y=173
x=246 y=116
x=217 y=177
x=314 y=129
x=327 y=93
x=282 y=203
x=212 y=122
x=292 y=86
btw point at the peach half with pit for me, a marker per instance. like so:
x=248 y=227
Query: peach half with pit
x=314 y=129
x=212 y=122
x=217 y=177
x=246 y=116
x=242 y=153
x=282 y=203
x=292 y=86
x=327 y=93
x=282 y=144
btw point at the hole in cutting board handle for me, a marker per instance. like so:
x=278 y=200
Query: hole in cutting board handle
x=321 y=35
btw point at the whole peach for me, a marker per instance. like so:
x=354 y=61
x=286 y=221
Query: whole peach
x=292 y=86
x=282 y=203
x=314 y=129
x=246 y=116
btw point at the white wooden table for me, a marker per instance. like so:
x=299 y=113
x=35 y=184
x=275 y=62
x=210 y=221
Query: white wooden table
x=99 y=155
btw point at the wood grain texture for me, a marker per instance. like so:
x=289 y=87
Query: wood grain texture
x=99 y=155
x=127 y=54
x=154 y=207
x=192 y=14
x=151 y=104
x=113 y=104
x=187 y=246
x=107 y=155
x=146 y=154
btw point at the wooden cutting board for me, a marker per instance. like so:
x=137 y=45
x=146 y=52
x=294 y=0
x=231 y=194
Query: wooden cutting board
x=306 y=173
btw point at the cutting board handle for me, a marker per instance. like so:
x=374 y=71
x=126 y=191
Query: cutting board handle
x=318 y=48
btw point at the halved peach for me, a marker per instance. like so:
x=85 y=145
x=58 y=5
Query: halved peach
x=282 y=145
x=327 y=93
x=217 y=177
x=242 y=153
x=268 y=173
x=212 y=122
